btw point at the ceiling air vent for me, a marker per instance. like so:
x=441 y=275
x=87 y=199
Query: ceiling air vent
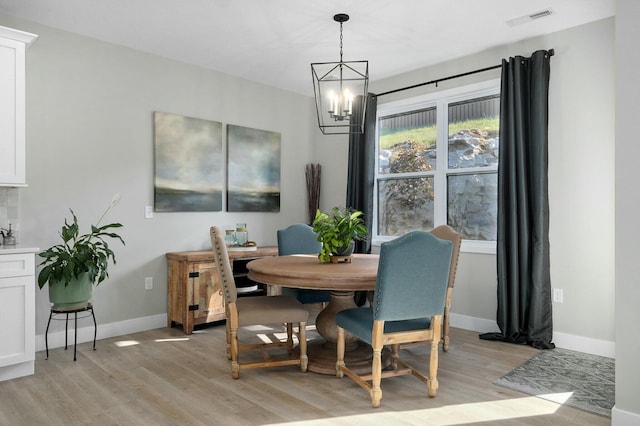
x=528 y=18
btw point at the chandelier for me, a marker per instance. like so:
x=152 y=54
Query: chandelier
x=340 y=90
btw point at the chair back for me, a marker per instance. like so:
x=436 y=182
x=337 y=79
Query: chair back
x=413 y=274
x=298 y=238
x=445 y=232
x=223 y=265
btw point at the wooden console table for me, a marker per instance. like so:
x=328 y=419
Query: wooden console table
x=193 y=289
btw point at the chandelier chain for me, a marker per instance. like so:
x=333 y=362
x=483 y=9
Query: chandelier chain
x=340 y=41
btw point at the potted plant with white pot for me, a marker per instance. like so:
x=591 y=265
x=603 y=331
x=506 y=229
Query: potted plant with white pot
x=72 y=267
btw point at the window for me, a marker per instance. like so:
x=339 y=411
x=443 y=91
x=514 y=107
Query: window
x=437 y=162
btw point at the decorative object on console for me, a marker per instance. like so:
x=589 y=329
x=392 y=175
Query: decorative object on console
x=337 y=232
x=230 y=238
x=78 y=262
x=238 y=240
x=242 y=236
x=188 y=163
x=253 y=170
x=340 y=90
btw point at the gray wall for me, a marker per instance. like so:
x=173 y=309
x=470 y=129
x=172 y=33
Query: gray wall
x=581 y=188
x=90 y=134
x=627 y=408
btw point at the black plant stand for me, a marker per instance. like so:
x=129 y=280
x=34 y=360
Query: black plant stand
x=56 y=311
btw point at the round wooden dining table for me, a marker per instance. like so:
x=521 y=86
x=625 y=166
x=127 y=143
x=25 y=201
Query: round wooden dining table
x=342 y=280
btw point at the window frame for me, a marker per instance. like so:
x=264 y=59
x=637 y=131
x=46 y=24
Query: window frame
x=440 y=100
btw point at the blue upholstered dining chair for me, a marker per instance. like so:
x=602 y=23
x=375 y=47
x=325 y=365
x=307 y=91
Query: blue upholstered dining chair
x=408 y=306
x=445 y=232
x=300 y=238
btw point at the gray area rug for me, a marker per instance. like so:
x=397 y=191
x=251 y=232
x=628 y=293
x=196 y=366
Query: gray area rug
x=587 y=380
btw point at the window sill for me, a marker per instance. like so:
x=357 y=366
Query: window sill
x=482 y=247
x=468 y=246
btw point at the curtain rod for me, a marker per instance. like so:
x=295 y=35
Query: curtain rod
x=551 y=53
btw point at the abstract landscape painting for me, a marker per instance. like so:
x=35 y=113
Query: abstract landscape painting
x=253 y=170
x=188 y=163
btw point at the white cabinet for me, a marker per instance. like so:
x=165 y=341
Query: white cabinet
x=13 y=44
x=17 y=312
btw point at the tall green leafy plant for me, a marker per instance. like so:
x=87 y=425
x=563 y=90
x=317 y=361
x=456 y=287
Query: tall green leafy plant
x=337 y=229
x=78 y=254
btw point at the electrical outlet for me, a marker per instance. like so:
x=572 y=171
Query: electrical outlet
x=148 y=283
x=558 y=295
x=148 y=212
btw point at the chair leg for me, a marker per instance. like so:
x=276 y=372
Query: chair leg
x=376 y=377
x=445 y=330
x=432 y=382
x=376 y=365
x=290 y=337
x=228 y=335
x=340 y=352
x=302 y=337
x=394 y=355
x=235 y=365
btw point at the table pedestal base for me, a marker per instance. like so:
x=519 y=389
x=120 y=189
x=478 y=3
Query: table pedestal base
x=322 y=358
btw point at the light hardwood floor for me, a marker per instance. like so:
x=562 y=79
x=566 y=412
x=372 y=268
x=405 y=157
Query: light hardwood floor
x=164 y=377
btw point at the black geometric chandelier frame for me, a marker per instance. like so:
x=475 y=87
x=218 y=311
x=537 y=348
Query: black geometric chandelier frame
x=340 y=90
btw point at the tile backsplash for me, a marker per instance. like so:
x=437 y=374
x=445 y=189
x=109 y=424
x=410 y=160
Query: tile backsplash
x=10 y=209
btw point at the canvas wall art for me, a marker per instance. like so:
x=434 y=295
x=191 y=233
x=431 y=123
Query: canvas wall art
x=253 y=170
x=188 y=163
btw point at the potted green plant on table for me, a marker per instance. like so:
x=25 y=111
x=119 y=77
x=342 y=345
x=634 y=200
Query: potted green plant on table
x=338 y=231
x=72 y=267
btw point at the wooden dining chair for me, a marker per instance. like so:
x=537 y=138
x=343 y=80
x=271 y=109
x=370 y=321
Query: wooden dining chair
x=408 y=306
x=445 y=232
x=299 y=238
x=258 y=310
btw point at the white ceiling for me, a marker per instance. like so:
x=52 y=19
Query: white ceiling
x=274 y=41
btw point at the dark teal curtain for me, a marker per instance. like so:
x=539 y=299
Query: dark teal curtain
x=361 y=174
x=524 y=312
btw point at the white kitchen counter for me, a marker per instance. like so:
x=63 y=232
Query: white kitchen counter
x=17 y=307
x=18 y=248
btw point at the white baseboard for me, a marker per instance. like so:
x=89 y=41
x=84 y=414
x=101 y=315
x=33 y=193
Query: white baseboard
x=585 y=344
x=85 y=333
x=472 y=323
x=561 y=340
x=624 y=418
x=9 y=372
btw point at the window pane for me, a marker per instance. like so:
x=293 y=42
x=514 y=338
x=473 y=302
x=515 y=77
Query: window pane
x=473 y=132
x=472 y=208
x=405 y=204
x=407 y=142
